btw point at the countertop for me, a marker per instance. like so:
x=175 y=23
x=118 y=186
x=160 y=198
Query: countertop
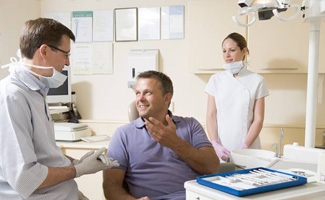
x=83 y=145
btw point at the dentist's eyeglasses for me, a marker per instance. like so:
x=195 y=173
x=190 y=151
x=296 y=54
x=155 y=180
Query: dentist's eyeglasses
x=67 y=54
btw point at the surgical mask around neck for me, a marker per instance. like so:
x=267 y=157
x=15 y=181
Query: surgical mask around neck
x=54 y=81
x=234 y=67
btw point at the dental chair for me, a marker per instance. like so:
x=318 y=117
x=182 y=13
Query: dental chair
x=132 y=111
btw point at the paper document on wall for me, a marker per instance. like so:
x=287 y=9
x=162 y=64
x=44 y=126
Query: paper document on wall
x=102 y=58
x=172 y=22
x=149 y=23
x=82 y=58
x=82 y=25
x=103 y=25
x=62 y=17
x=126 y=24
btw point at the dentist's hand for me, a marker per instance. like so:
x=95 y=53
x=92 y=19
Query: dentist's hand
x=221 y=151
x=94 y=163
x=76 y=161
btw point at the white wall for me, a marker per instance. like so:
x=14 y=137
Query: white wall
x=106 y=97
x=13 y=14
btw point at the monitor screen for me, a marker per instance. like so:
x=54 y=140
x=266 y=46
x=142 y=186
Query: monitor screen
x=61 y=94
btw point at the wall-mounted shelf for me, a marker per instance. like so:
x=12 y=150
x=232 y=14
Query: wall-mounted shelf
x=281 y=69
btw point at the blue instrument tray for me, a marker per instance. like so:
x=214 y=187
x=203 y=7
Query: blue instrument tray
x=290 y=180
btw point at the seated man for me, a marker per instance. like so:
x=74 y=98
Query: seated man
x=158 y=152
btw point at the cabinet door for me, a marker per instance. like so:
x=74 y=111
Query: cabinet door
x=209 y=23
x=282 y=47
x=190 y=195
x=90 y=185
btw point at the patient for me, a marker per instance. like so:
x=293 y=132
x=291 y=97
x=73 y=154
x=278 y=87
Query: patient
x=157 y=152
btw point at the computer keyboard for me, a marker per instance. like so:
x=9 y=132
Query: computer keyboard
x=58 y=107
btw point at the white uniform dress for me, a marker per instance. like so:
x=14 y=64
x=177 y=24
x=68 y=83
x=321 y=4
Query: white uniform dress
x=235 y=98
x=27 y=143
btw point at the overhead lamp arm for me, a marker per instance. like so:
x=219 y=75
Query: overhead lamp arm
x=295 y=15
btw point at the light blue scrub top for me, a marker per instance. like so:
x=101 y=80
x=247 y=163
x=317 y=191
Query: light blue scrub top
x=27 y=144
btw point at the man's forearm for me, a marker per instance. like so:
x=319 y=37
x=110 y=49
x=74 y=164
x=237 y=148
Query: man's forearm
x=115 y=192
x=203 y=160
x=57 y=175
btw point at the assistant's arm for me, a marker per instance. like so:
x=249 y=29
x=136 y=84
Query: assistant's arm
x=211 y=119
x=113 y=185
x=257 y=123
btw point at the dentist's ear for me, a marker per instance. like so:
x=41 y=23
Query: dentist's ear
x=42 y=50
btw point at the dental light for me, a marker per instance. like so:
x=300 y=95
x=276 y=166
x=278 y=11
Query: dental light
x=264 y=9
x=312 y=13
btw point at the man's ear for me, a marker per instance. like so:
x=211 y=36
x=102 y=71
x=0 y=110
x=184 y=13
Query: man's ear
x=42 y=51
x=168 y=98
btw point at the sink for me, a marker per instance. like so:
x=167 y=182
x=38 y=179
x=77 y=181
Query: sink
x=251 y=158
x=288 y=164
x=295 y=159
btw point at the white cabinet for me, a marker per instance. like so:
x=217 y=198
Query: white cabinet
x=275 y=46
x=282 y=47
x=196 y=196
x=195 y=191
x=209 y=23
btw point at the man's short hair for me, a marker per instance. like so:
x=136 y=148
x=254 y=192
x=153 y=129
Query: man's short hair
x=42 y=31
x=165 y=82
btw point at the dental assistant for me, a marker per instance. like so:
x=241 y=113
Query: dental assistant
x=32 y=166
x=235 y=108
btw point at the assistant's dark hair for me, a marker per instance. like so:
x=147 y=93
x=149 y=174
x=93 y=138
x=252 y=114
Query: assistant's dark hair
x=165 y=82
x=42 y=31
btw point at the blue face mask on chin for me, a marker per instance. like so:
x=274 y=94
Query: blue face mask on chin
x=234 y=67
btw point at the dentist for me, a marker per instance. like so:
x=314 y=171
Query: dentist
x=235 y=110
x=32 y=166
